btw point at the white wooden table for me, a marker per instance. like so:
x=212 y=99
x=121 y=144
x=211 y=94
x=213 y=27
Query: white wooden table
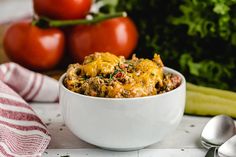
x=184 y=142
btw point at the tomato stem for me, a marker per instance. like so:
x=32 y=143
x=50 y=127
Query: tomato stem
x=61 y=23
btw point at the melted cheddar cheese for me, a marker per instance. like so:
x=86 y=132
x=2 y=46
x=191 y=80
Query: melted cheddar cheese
x=103 y=63
x=106 y=75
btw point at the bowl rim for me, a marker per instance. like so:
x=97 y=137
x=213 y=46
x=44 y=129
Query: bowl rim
x=166 y=69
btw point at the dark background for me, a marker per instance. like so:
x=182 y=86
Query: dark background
x=195 y=37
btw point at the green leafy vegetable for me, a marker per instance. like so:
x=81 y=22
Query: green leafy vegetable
x=195 y=37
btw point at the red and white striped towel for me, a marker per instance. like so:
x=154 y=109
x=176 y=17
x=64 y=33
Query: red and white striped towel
x=22 y=133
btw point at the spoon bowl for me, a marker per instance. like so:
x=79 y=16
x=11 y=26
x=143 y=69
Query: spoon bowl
x=225 y=150
x=228 y=149
x=217 y=131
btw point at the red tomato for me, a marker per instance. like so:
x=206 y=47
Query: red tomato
x=33 y=47
x=62 y=9
x=117 y=35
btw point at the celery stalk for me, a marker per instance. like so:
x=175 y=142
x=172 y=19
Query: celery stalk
x=204 y=101
x=212 y=91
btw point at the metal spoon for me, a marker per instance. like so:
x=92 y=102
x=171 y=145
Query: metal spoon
x=225 y=150
x=228 y=149
x=218 y=130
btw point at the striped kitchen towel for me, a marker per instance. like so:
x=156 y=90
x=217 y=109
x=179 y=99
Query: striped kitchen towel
x=22 y=133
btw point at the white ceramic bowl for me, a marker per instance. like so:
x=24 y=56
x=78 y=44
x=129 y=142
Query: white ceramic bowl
x=123 y=123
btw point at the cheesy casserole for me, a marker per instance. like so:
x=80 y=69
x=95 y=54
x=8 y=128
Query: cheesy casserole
x=106 y=75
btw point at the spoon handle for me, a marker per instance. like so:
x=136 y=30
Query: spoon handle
x=212 y=152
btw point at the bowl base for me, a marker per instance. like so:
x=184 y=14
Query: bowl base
x=122 y=149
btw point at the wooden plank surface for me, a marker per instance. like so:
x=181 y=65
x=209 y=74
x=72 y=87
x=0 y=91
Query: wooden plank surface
x=140 y=153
